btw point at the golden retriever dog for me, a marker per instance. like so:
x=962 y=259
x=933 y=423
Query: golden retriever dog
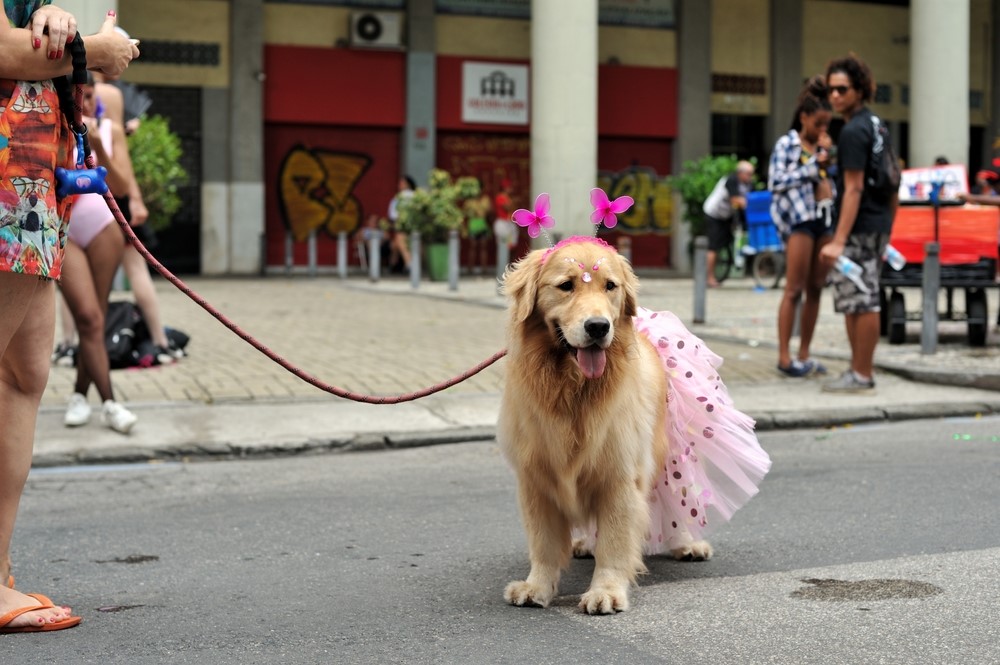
x=582 y=421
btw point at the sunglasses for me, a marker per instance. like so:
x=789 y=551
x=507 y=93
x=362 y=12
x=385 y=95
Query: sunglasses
x=839 y=89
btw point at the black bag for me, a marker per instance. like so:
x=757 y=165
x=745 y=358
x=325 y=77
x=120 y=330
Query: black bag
x=124 y=329
x=883 y=173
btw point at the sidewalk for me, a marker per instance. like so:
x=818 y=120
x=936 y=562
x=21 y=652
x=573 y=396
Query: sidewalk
x=227 y=399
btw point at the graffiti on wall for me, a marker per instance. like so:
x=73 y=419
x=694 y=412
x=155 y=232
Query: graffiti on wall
x=315 y=189
x=653 y=209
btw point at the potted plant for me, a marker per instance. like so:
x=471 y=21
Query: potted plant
x=156 y=152
x=434 y=212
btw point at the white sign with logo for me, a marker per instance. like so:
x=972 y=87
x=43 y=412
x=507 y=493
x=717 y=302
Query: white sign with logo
x=494 y=93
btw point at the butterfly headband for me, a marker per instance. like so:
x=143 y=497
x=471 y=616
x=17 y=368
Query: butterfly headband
x=606 y=212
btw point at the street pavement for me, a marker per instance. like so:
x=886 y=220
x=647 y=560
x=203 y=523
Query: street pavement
x=226 y=399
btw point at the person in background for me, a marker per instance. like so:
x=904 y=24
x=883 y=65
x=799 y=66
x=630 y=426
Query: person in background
x=503 y=208
x=399 y=243
x=721 y=207
x=864 y=222
x=987 y=192
x=33 y=41
x=477 y=211
x=801 y=205
x=93 y=254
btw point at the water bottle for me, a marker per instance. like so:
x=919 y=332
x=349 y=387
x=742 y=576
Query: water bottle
x=894 y=257
x=853 y=272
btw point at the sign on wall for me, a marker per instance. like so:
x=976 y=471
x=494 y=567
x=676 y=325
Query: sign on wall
x=494 y=93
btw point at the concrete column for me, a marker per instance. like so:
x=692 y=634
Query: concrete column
x=564 y=110
x=419 y=137
x=939 y=81
x=786 y=64
x=215 y=196
x=246 y=137
x=694 y=140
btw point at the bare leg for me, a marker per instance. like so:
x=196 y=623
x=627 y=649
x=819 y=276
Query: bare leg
x=66 y=323
x=26 y=331
x=814 y=291
x=145 y=294
x=797 y=262
x=86 y=287
x=710 y=263
x=866 y=334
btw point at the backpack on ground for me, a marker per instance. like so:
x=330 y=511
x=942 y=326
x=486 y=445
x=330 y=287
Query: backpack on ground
x=883 y=173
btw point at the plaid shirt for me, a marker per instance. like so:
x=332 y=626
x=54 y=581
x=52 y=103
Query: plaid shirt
x=792 y=183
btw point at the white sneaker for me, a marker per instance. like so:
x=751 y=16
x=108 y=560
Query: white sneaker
x=77 y=411
x=117 y=417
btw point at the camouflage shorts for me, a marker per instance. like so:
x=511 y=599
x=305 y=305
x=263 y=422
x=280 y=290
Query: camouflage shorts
x=866 y=250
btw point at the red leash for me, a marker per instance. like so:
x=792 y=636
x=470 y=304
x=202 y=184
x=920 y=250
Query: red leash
x=248 y=338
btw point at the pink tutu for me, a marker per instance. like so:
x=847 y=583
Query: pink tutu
x=714 y=463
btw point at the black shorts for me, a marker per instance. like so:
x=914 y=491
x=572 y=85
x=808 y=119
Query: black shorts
x=719 y=233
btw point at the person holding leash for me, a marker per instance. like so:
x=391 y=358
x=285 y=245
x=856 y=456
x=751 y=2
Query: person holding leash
x=35 y=139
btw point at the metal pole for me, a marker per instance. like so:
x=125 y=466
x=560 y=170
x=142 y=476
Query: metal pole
x=289 y=260
x=415 y=255
x=503 y=257
x=453 y=251
x=312 y=253
x=374 y=254
x=931 y=285
x=700 y=277
x=342 y=254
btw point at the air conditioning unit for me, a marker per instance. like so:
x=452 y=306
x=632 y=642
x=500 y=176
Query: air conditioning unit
x=376 y=30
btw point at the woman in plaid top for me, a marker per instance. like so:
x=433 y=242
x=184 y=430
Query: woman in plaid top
x=802 y=199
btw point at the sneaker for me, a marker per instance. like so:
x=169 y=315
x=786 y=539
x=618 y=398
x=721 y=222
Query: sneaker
x=64 y=355
x=849 y=383
x=164 y=356
x=798 y=369
x=77 y=411
x=117 y=417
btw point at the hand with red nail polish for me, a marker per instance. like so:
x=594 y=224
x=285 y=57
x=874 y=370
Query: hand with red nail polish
x=57 y=25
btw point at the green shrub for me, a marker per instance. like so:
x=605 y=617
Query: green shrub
x=696 y=181
x=156 y=153
x=435 y=211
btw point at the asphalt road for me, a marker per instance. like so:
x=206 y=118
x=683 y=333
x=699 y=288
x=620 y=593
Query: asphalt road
x=866 y=545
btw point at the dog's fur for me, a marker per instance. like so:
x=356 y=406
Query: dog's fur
x=585 y=450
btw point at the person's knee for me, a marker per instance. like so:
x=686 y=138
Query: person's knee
x=89 y=322
x=27 y=375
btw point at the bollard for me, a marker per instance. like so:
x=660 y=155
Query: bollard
x=453 y=262
x=289 y=259
x=503 y=257
x=311 y=246
x=700 y=277
x=931 y=285
x=342 y=254
x=415 y=255
x=374 y=254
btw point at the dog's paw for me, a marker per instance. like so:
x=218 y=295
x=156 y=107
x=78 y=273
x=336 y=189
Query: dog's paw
x=581 y=550
x=697 y=550
x=605 y=600
x=526 y=594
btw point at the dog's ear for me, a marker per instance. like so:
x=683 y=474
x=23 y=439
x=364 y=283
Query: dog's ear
x=631 y=287
x=520 y=285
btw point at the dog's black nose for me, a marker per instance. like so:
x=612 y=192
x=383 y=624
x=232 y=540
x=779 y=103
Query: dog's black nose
x=597 y=327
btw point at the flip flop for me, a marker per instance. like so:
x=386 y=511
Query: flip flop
x=10 y=582
x=46 y=604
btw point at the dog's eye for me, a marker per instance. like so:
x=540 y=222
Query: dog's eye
x=610 y=286
x=566 y=286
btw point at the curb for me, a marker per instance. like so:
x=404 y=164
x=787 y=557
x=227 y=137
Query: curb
x=767 y=421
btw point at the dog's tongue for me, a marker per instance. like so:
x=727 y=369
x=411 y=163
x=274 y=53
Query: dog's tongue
x=591 y=360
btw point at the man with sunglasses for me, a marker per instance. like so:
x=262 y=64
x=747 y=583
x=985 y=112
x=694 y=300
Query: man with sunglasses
x=864 y=221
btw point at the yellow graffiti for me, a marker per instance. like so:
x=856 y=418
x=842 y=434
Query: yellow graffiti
x=316 y=187
x=653 y=209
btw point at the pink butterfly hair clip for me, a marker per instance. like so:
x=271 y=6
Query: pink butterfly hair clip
x=535 y=222
x=606 y=210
